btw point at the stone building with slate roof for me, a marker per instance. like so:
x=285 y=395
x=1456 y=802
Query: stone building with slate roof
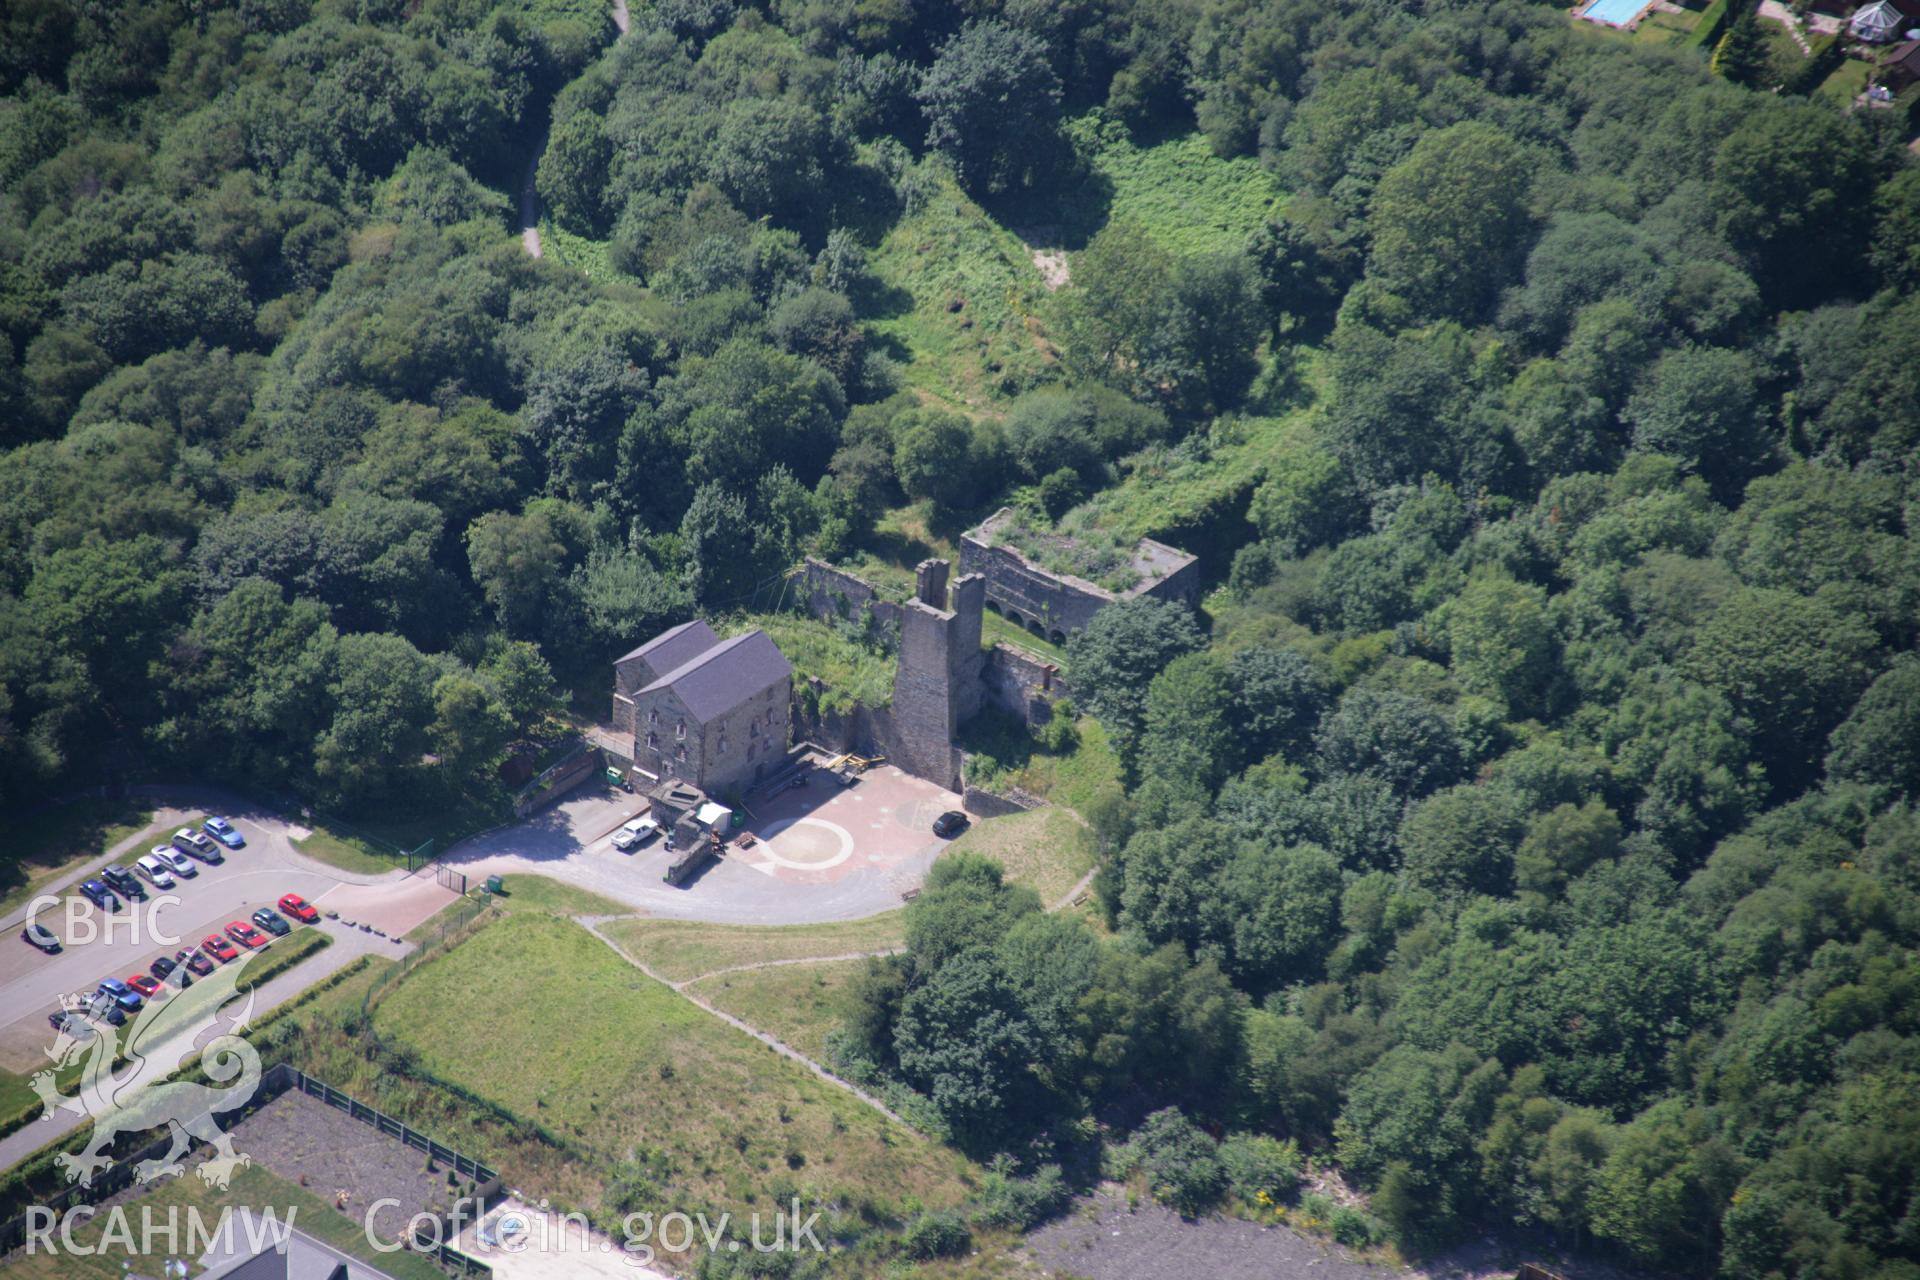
x=712 y=712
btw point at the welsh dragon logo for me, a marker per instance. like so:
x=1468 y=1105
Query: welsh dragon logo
x=122 y=1085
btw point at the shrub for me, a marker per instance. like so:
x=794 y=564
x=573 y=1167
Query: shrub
x=936 y=1235
x=1021 y=1203
x=1182 y=1164
x=1355 y=1229
x=1255 y=1163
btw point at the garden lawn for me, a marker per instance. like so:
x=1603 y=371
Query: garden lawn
x=679 y=950
x=796 y=1004
x=1048 y=849
x=537 y=1015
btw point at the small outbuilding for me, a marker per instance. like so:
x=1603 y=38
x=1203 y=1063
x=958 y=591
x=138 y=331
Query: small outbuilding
x=1876 y=23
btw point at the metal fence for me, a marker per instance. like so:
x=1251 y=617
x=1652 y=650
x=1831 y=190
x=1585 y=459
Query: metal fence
x=275 y=1081
x=475 y=906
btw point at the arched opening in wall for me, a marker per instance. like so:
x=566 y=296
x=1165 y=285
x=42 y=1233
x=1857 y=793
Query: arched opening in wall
x=993 y=606
x=1033 y=625
x=1013 y=616
x=1058 y=637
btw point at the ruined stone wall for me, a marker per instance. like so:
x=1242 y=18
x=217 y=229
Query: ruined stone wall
x=1182 y=586
x=828 y=593
x=1028 y=595
x=1021 y=684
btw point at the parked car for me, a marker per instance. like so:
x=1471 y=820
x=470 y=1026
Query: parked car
x=196 y=844
x=222 y=830
x=246 y=935
x=145 y=984
x=121 y=881
x=949 y=824
x=154 y=872
x=123 y=995
x=99 y=895
x=102 y=1007
x=163 y=968
x=270 y=920
x=177 y=862
x=299 y=908
x=38 y=935
x=194 y=961
x=71 y=1024
x=636 y=833
x=219 y=948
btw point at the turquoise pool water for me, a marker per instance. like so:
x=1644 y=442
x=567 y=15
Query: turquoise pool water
x=1618 y=12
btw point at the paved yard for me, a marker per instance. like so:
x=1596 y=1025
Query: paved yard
x=822 y=852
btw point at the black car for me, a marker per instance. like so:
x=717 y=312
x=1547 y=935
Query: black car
x=949 y=824
x=38 y=935
x=71 y=1023
x=161 y=968
x=122 y=882
x=269 y=919
x=99 y=895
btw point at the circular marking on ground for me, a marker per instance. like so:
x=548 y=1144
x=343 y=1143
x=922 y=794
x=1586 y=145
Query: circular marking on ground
x=807 y=844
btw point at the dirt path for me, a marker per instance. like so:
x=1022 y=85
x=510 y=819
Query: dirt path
x=529 y=196
x=592 y=925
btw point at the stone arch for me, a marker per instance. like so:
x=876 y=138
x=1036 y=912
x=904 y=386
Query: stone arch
x=993 y=606
x=1058 y=637
x=1013 y=616
x=1033 y=625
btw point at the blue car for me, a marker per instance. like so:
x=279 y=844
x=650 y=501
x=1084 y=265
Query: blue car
x=222 y=830
x=99 y=895
x=123 y=995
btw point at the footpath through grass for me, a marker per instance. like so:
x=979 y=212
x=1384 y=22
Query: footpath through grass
x=536 y=1015
x=796 y=1004
x=679 y=950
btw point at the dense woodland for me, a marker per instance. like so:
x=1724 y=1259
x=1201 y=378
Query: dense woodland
x=1528 y=824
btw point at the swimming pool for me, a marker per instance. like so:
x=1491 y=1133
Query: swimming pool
x=1616 y=13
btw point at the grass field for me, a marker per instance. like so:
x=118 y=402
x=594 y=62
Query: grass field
x=1661 y=27
x=251 y=1187
x=678 y=950
x=1049 y=849
x=1176 y=189
x=1848 y=81
x=46 y=848
x=348 y=853
x=956 y=303
x=797 y=1004
x=540 y=1017
x=553 y=897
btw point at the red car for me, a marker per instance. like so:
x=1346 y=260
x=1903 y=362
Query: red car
x=144 y=984
x=299 y=908
x=219 y=948
x=246 y=935
x=196 y=962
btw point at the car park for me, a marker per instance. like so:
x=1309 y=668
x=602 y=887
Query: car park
x=299 y=908
x=196 y=844
x=246 y=935
x=194 y=961
x=145 y=984
x=154 y=872
x=949 y=824
x=123 y=995
x=636 y=833
x=38 y=935
x=177 y=862
x=219 y=948
x=223 y=831
x=122 y=882
x=99 y=895
x=272 y=921
x=102 y=1007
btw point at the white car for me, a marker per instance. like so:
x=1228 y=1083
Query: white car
x=154 y=871
x=177 y=862
x=636 y=833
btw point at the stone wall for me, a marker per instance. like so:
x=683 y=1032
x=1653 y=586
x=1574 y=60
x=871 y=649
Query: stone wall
x=1022 y=684
x=991 y=804
x=828 y=593
x=1054 y=605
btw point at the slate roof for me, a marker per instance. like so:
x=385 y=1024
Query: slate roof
x=289 y=1255
x=675 y=646
x=726 y=675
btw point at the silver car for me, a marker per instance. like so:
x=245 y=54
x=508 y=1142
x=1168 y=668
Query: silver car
x=154 y=871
